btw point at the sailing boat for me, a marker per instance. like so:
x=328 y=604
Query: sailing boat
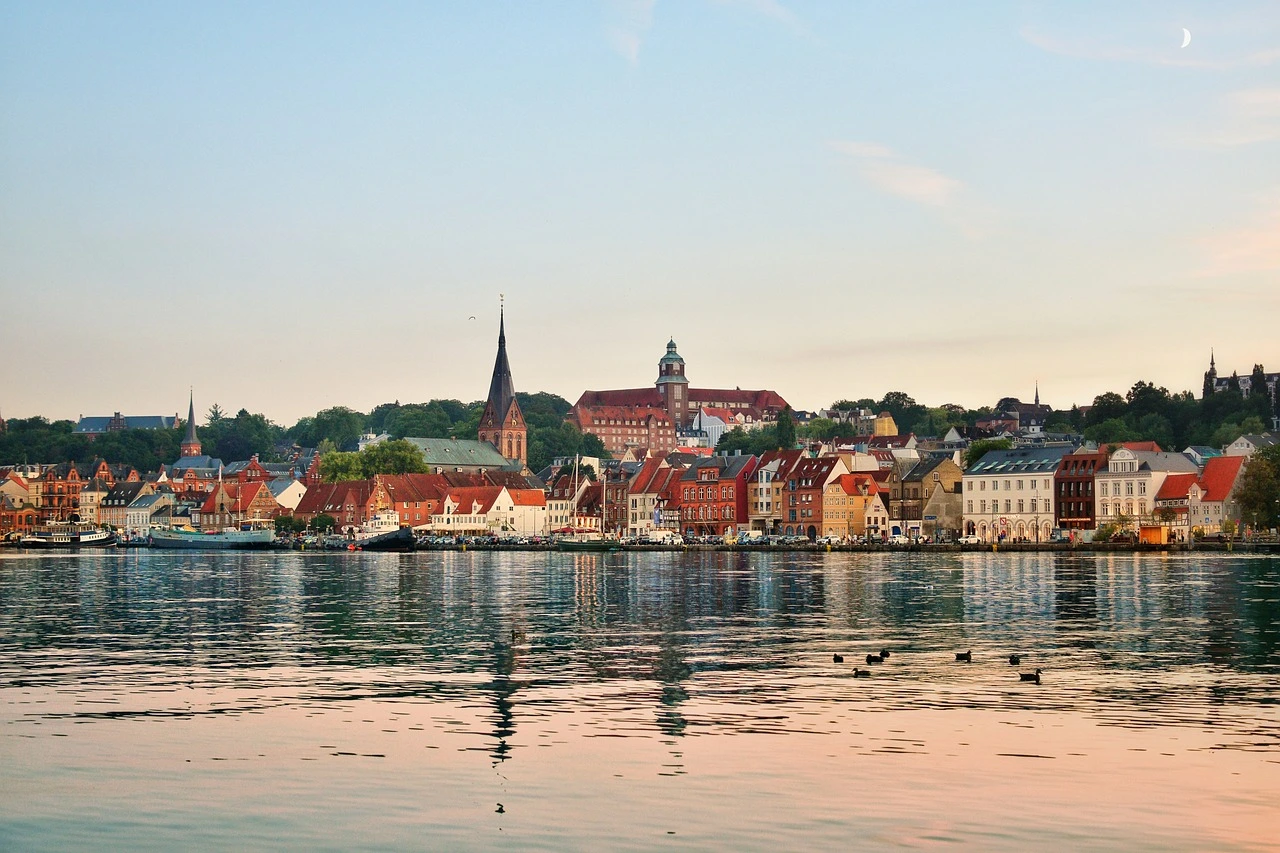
x=585 y=539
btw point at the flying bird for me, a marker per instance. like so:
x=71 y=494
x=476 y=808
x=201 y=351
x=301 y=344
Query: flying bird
x=472 y=317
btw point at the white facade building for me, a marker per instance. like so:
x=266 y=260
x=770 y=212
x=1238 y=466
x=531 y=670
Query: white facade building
x=1008 y=494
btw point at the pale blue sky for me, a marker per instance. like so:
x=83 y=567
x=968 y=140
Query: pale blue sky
x=298 y=205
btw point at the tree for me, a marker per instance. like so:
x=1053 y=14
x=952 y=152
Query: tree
x=214 y=415
x=1110 y=431
x=1106 y=407
x=323 y=522
x=287 y=525
x=754 y=443
x=981 y=448
x=390 y=457
x=1258 y=493
x=336 y=467
x=905 y=410
x=786 y=430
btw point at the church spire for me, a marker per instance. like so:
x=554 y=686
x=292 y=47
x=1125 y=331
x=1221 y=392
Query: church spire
x=502 y=388
x=502 y=423
x=190 y=445
x=1037 y=392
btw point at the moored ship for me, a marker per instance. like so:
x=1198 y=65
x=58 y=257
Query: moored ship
x=70 y=534
x=383 y=532
x=247 y=538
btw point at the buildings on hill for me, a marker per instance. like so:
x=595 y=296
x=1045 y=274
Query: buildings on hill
x=651 y=417
x=93 y=427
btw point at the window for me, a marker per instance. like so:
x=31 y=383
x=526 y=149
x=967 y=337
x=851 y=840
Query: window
x=1033 y=505
x=1019 y=485
x=970 y=508
x=1128 y=487
x=1008 y=505
x=1020 y=506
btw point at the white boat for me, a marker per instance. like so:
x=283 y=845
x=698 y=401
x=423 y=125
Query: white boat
x=68 y=534
x=249 y=536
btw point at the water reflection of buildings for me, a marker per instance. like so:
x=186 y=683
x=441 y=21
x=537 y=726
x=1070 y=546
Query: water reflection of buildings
x=653 y=624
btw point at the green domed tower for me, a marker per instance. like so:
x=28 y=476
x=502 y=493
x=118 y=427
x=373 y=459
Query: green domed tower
x=673 y=386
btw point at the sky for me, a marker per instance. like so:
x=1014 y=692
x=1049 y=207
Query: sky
x=290 y=206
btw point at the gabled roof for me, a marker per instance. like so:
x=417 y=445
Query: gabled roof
x=922 y=468
x=627 y=397
x=458 y=452
x=474 y=500
x=527 y=497
x=852 y=484
x=1219 y=477
x=1176 y=486
x=194 y=462
x=95 y=425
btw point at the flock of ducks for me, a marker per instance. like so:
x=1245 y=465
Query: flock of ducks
x=961 y=657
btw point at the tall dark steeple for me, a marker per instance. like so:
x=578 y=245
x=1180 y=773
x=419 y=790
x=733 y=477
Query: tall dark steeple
x=1210 y=377
x=190 y=445
x=502 y=423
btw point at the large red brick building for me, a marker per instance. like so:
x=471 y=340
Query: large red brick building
x=633 y=416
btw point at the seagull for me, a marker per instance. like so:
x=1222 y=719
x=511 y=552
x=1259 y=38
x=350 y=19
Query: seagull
x=1030 y=676
x=472 y=317
x=966 y=657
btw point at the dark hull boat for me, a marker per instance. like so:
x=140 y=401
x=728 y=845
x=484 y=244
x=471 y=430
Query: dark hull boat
x=71 y=535
x=394 y=540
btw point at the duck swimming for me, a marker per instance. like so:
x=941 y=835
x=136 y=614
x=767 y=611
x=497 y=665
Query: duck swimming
x=966 y=657
x=1030 y=676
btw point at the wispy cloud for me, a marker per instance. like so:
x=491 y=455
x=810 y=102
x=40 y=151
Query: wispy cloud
x=767 y=8
x=1249 y=248
x=884 y=169
x=1170 y=56
x=630 y=20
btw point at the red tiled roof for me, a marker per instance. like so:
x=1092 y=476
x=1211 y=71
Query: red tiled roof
x=1219 y=477
x=852 y=483
x=1149 y=446
x=1175 y=487
x=646 y=476
x=467 y=497
x=759 y=399
x=527 y=497
x=637 y=397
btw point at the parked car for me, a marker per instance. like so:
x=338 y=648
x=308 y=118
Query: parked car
x=972 y=539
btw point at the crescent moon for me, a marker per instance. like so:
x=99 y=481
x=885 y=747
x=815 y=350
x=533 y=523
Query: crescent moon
x=1186 y=36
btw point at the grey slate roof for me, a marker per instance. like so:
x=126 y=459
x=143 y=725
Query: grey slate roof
x=96 y=425
x=458 y=453
x=1019 y=460
x=199 y=462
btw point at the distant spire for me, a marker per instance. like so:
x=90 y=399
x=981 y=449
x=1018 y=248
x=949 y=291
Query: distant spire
x=191 y=445
x=502 y=388
x=1211 y=365
x=191 y=418
x=1037 y=392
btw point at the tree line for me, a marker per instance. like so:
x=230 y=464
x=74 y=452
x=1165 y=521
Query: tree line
x=338 y=428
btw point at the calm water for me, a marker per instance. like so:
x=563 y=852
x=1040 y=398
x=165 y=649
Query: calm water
x=157 y=701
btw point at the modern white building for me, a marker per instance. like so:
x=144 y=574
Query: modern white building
x=1008 y=494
